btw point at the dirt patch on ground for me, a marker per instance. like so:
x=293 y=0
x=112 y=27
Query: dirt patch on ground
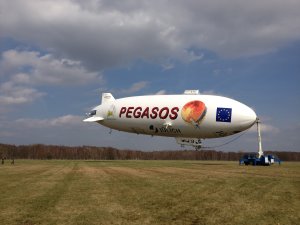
x=178 y=171
x=194 y=172
x=92 y=171
x=128 y=171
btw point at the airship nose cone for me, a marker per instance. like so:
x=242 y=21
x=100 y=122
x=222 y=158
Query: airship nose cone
x=247 y=117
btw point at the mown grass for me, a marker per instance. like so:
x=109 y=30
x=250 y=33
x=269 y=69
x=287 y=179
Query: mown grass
x=148 y=192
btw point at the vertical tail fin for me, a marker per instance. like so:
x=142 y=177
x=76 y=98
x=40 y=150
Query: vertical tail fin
x=107 y=97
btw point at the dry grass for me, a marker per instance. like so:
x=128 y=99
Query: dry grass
x=148 y=192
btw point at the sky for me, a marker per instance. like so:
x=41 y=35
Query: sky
x=57 y=57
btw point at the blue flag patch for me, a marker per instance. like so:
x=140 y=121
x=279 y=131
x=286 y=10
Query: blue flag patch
x=224 y=115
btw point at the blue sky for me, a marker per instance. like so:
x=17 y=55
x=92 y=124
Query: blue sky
x=57 y=57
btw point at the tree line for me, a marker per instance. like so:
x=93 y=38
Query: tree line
x=39 y=151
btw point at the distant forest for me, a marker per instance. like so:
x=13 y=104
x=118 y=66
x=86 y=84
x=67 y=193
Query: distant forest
x=39 y=151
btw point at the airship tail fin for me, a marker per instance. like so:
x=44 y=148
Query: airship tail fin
x=107 y=97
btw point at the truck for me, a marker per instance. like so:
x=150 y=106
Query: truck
x=254 y=160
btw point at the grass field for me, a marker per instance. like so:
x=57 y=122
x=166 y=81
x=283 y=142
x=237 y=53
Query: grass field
x=148 y=192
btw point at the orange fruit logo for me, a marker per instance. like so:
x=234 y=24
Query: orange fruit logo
x=193 y=112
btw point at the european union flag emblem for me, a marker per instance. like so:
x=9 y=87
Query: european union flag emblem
x=224 y=115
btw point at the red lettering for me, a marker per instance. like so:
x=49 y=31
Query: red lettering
x=137 y=112
x=163 y=115
x=145 y=113
x=154 y=112
x=174 y=113
x=122 y=111
x=129 y=111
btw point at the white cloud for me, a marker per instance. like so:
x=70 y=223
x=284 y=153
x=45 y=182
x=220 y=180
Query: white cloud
x=23 y=71
x=269 y=128
x=135 y=87
x=66 y=129
x=265 y=128
x=11 y=94
x=31 y=68
x=66 y=120
x=167 y=66
x=161 y=92
x=102 y=34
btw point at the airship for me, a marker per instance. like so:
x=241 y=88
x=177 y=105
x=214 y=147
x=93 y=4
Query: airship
x=189 y=117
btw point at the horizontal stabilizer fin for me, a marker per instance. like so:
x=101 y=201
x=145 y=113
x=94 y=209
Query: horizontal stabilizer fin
x=93 y=119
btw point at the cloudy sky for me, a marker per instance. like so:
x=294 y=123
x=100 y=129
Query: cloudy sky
x=56 y=57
